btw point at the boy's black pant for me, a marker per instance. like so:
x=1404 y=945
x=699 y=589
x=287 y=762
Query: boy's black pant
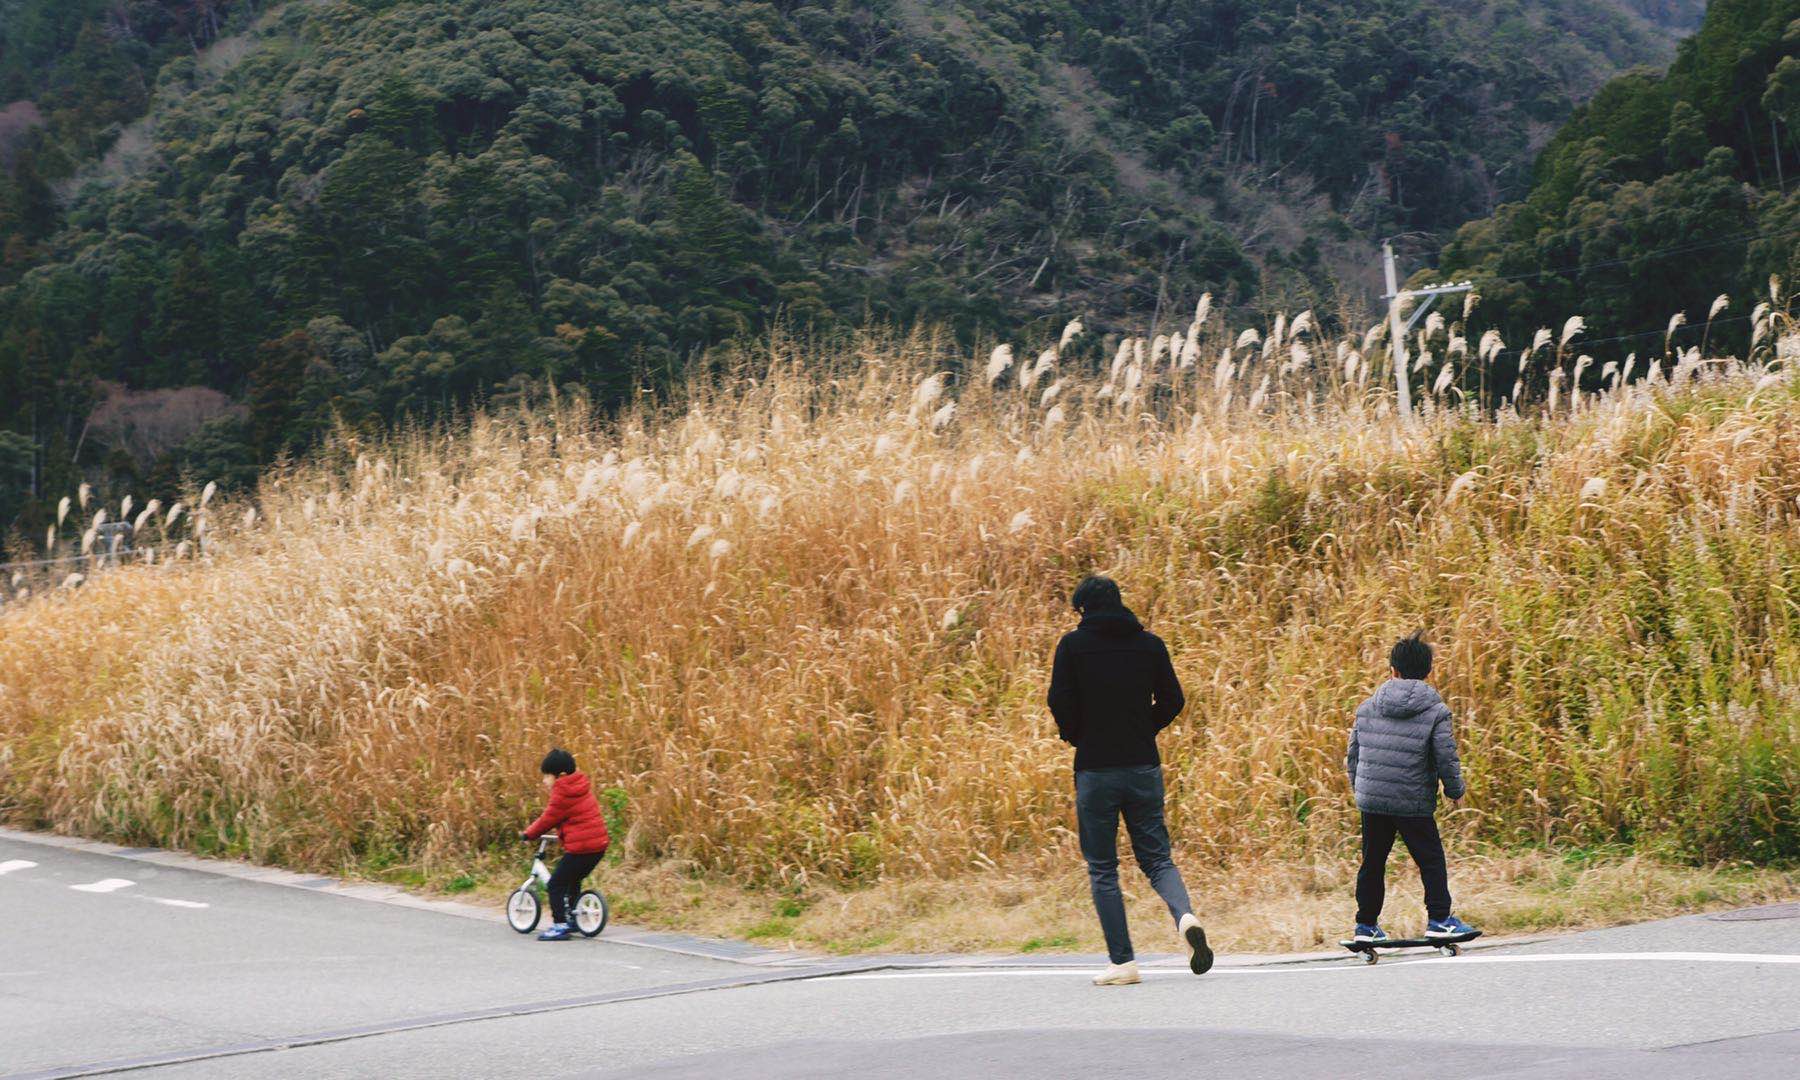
x=1427 y=849
x=565 y=882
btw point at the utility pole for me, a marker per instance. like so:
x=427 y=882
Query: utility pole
x=1396 y=332
x=1398 y=329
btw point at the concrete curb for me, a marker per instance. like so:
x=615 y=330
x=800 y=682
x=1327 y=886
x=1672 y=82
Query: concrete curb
x=736 y=952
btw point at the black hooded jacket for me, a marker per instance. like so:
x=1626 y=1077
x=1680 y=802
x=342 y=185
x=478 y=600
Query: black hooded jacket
x=1112 y=689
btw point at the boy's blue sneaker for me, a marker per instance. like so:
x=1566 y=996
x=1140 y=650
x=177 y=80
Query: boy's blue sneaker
x=558 y=932
x=1450 y=926
x=1365 y=932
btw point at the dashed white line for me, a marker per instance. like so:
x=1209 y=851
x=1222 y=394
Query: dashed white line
x=10 y=865
x=176 y=903
x=105 y=885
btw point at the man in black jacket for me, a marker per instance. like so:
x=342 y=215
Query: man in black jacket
x=1112 y=689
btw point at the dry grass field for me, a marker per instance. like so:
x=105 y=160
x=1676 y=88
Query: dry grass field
x=797 y=627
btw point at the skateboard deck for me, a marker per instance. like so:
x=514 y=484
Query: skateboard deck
x=1371 y=950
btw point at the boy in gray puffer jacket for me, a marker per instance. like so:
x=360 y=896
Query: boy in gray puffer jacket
x=1401 y=748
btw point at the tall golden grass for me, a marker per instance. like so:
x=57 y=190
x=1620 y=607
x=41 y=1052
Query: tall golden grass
x=801 y=620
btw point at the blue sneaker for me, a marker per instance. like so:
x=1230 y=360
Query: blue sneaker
x=557 y=932
x=1365 y=932
x=1450 y=926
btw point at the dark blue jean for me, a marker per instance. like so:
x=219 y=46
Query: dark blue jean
x=1135 y=792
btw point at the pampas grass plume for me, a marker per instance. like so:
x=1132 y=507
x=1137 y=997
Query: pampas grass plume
x=1070 y=333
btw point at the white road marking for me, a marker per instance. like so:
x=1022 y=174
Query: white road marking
x=1676 y=957
x=107 y=885
x=1318 y=969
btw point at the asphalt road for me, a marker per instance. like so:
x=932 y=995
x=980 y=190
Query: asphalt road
x=110 y=964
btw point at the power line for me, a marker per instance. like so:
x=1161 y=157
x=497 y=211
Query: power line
x=49 y=562
x=1589 y=342
x=1741 y=238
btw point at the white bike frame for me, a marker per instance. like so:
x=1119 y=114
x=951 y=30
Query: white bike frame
x=539 y=872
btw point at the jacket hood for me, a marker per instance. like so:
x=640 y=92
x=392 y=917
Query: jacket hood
x=1112 y=622
x=575 y=783
x=1402 y=699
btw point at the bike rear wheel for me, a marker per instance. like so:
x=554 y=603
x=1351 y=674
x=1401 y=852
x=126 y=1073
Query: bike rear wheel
x=523 y=910
x=591 y=913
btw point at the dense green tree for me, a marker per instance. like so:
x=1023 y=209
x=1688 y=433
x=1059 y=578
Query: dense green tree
x=18 y=462
x=400 y=112
x=184 y=337
x=1660 y=194
x=358 y=249
x=1685 y=145
x=277 y=395
x=220 y=452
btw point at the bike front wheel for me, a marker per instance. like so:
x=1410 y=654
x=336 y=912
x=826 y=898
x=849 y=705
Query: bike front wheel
x=523 y=909
x=591 y=913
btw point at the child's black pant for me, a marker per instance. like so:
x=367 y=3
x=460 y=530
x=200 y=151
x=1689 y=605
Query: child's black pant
x=1426 y=848
x=565 y=882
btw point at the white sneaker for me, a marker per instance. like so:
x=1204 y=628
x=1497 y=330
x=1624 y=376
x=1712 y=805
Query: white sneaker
x=1119 y=975
x=1200 y=958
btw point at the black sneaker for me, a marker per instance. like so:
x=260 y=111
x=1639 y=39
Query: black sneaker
x=1200 y=958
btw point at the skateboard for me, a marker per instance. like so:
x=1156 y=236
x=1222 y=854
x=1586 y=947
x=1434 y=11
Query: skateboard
x=1449 y=946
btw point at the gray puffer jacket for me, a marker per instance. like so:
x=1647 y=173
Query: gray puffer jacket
x=1400 y=747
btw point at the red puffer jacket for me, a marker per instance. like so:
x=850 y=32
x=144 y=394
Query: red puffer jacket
x=575 y=814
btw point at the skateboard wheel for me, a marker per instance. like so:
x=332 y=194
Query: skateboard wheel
x=1450 y=950
x=1370 y=957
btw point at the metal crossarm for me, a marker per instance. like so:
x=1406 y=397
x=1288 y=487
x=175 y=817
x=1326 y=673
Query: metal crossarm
x=1432 y=290
x=1397 y=331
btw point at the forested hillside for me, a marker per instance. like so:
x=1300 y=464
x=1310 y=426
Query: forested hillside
x=226 y=226
x=1660 y=195
x=1679 y=15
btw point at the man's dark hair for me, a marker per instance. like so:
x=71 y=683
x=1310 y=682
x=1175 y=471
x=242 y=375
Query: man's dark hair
x=1411 y=657
x=558 y=762
x=1096 y=593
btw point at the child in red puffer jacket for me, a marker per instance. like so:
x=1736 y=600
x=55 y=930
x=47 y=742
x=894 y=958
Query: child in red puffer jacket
x=575 y=814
